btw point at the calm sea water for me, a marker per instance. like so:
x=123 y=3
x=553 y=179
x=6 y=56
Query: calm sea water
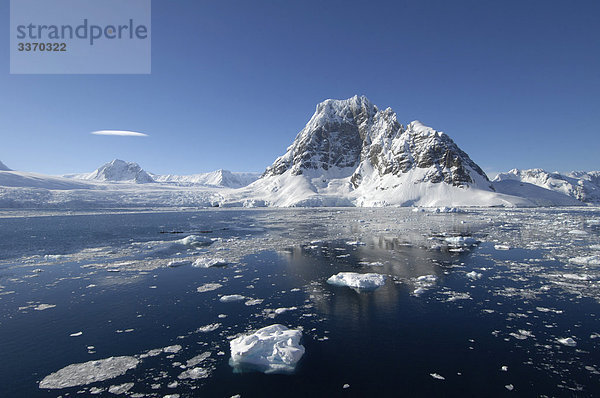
x=482 y=308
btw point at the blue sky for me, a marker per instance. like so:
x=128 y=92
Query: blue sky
x=514 y=83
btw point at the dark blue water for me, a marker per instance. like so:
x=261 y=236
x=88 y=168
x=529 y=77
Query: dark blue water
x=383 y=342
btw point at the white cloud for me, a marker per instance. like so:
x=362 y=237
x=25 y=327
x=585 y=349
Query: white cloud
x=122 y=133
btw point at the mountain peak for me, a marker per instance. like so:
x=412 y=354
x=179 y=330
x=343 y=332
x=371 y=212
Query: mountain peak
x=353 y=138
x=120 y=170
x=3 y=167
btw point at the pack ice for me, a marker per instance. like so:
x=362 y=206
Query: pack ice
x=357 y=281
x=272 y=349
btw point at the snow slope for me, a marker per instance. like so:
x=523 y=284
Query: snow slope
x=581 y=185
x=218 y=178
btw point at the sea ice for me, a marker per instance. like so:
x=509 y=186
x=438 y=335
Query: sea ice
x=79 y=374
x=358 y=281
x=568 y=341
x=272 y=349
x=42 y=307
x=194 y=374
x=231 y=297
x=195 y=241
x=593 y=260
x=437 y=376
x=120 y=389
x=204 y=262
x=207 y=287
x=208 y=328
x=474 y=275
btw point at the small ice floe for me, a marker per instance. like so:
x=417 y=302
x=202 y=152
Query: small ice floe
x=272 y=349
x=474 y=275
x=172 y=349
x=208 y=287
x=422 y=283
x=577 y=277
x=272 y=313
x=77 y=334
x=206 y=262
x=80 y=374
x=197 y=359
x=577 y=232
x=345 y=386
x=501 y=247
x=544 y=309
x=522 y=334
x=358 y=281
x=568 y=341
x=178 y=263
x=447 y=210
x=372 y=263
x=593 y=260
x=355 y=243
x=120 y=389
x=231 y=297
x=253 y=302
x=42 y=307
x=594 y=335
x=194 y=374
x=208 y=328
x=195 y=241
x=509 y=387
x=504 y=368
x=460 y=244
x=437 y=376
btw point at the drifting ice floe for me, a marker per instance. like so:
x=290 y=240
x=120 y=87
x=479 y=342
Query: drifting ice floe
x=272 y=349
x=208 y=287
x=231 y=297
x=422 y=283
x=194 y=374
x=79 y=374
x=568 y=341
x=586 y=260
x=208 y=328
x=204 y=262
x=195 y=241
x=474 y=275
x=357 y=281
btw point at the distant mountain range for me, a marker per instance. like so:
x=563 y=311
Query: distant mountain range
x=350 y=153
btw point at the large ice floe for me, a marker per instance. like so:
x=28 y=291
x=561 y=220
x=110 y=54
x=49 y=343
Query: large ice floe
x=272 y=349
x=356 y=280
x=79 y=374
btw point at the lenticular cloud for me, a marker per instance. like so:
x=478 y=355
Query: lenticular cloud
x=122 y=133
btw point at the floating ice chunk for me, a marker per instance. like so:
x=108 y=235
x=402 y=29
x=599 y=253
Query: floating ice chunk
x=76 y=334
x=208 y=328
x=197 y=359
x=272 y=349
x=447 y=210
x=178 y=263
x=208 y=287
x=522 y=334
x=194 y=374
x=172 y=349
x=358 y=281
x=568 y=341
x=205 y=262
x=504 y=368
x=195 y=241
x=577 y=232
x=253 y=302
x=121 y=388
x=437 y=376
x=501 y=247
x=419 y=291
x=593 y=260
x=231 y=297
x=355 y=243
x=474 y=275
x=346 y=386
x=79 y=374
x=42 y=307
x=461 y=241
x=582 y=277
x=509 y=387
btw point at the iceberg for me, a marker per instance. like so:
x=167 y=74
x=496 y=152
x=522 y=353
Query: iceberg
x=272 y=349
x=357 y=281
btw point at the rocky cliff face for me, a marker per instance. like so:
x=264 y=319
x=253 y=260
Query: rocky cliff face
x=354 y=138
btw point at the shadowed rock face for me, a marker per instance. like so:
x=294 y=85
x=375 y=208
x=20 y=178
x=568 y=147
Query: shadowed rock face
x=353 y=134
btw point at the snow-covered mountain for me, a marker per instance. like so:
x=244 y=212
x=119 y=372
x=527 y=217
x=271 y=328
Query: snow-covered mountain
x=352 y=153
x=117 y=171
x=217 y=178
x=581 y=185
x=3 y=167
